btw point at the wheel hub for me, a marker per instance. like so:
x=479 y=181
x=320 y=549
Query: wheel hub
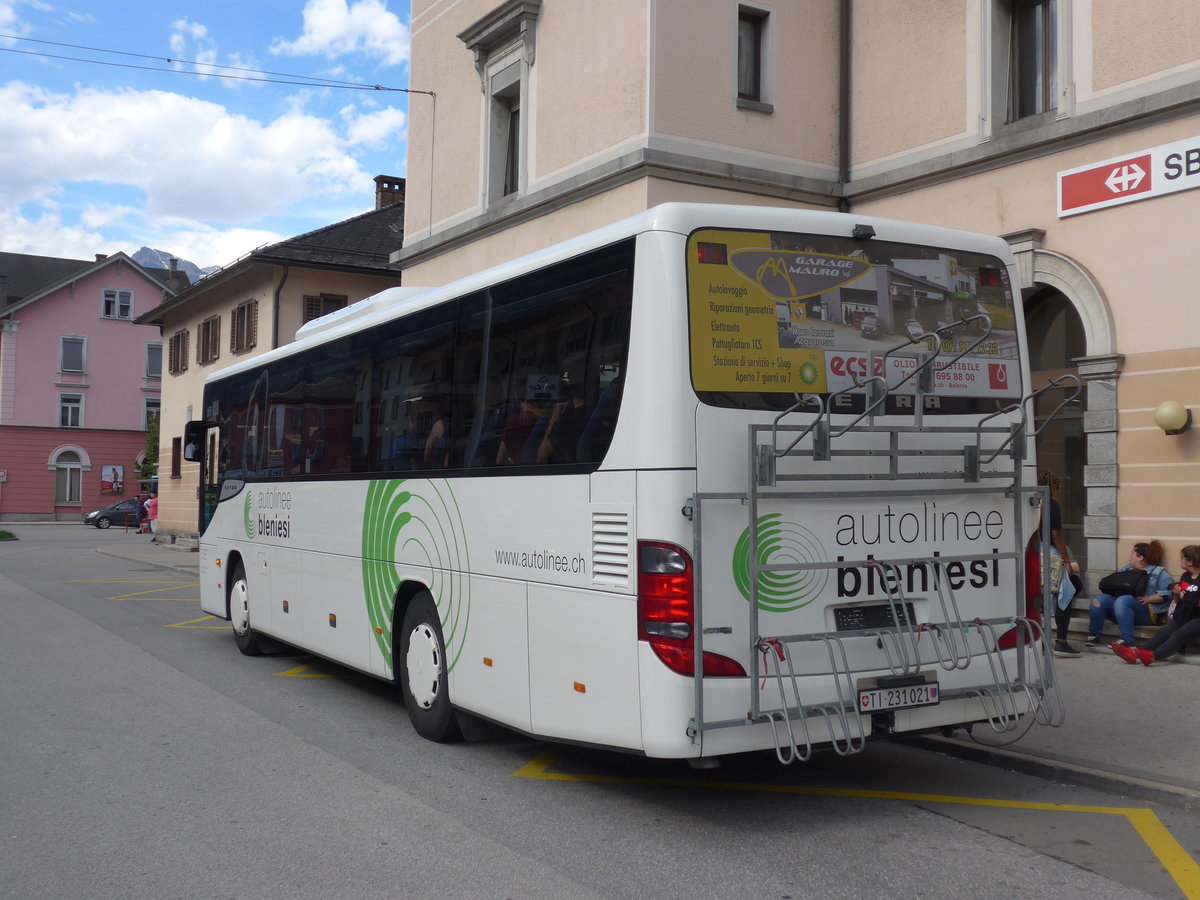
x=424 y=666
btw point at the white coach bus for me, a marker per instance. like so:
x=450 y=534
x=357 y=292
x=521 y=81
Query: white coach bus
x=793 y=445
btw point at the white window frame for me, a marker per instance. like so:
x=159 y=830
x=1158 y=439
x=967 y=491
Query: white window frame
x=72 y=473
x=506 y=132
x=120 y=310
x=74 y=339
x=71 y=401
x=146 y=356
x=997 y=73
x=151 y=406
x=504 y=43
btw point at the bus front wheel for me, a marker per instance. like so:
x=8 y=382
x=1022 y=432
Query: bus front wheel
x=239 y=613
x=422 y=666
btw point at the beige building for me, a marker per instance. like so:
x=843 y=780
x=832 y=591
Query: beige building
x=249 y=307
x=552 y=118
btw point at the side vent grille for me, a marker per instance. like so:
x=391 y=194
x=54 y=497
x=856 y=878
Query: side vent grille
x=611 y=552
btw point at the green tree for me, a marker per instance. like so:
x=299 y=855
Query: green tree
x=149 y=467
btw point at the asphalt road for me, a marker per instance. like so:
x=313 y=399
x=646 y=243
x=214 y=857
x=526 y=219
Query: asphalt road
x=144 y=757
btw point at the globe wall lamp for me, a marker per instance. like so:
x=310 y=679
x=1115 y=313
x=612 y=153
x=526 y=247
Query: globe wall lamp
x=1172 y=417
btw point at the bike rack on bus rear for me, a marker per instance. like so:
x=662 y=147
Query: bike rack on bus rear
x=972 y=469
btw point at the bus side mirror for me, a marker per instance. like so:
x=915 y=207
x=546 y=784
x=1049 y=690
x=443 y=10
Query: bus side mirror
x=193 y=441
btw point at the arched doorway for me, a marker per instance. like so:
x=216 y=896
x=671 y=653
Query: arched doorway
x=1056 y=343
x=1071 y=329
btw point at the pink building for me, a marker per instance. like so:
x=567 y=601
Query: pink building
x=79 y=381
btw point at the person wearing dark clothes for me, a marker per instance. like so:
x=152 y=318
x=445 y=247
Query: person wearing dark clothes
x=1070 y=569
x=1183 y=616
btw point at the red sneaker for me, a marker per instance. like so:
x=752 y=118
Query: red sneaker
x=1127 y=653
x=1145 y=656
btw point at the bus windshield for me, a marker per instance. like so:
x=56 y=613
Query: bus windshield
x=778 y=316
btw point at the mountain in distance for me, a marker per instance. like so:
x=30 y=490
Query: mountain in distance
x=159 y=259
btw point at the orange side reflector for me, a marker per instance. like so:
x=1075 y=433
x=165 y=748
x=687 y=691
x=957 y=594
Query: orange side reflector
x=378 y=630
x=218 y=564
x=580 y=687
x=332 y=621
x=285 y=606
x=487 y=660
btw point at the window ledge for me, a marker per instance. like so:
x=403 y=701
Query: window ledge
x=755 y=105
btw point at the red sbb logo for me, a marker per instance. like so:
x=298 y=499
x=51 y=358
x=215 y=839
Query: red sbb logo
x=1110 y=181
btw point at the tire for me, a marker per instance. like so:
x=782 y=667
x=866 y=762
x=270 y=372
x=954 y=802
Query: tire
x=103 y=522
x=422 y=667
x=239 y=614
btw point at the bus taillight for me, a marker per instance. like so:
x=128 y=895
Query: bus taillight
x=666 y=611
x=1033 y=589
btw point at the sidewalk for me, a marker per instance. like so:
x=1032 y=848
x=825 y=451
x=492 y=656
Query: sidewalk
x=1129 y=729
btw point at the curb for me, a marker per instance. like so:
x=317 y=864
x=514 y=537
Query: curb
x=1072 y=772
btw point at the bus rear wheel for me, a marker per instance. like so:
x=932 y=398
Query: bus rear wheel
x=239 y=613
x=422 y=665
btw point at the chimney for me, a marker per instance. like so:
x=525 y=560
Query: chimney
x=389 y=189
x=172 y=265
x=101 y=257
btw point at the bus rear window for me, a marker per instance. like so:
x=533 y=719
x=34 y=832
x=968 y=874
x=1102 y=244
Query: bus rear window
x=776 y=317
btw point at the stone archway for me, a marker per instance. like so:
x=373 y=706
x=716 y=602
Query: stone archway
x=1099 y=368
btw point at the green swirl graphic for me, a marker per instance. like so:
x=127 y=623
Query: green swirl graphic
x=781 y=542
x=415 y=522
x=248 y=514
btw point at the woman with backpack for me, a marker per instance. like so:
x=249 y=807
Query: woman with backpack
x=1133 y=595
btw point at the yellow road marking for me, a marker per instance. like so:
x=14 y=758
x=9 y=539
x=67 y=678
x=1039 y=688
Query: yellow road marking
x=192 y=623
x=142 y=580
x=1174 y=859
x=144 y=595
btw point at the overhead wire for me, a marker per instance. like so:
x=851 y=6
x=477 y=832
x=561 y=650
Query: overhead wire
x=283 y=77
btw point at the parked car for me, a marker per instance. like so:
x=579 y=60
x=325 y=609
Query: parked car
x=870 y=327
x=123 y=512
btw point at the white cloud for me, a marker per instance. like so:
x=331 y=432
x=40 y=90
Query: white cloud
x=190 y=42
x=207 y=246
x=333 y=28
x=47 y=235
x=191 y=158
x=375 y=130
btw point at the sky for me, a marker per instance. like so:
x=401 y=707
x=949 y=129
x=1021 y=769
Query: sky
x=101 y=158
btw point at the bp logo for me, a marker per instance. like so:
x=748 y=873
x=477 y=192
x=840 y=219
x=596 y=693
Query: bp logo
x=780 y=543
x=415 y=524
x=248 y=515
x=808 y=375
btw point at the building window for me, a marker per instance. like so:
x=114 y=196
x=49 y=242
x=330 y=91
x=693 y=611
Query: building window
x=150 y=411
x=243 y=331
x=177 y=355
x=176 y=457
x=504 y=139
x=118 y=304
x=752 y=28
x=322 y=305
x=73 y=357
x=154 y=360
x=208 y=340
x=504 y=44
x=70 y=410
x=67 y=477
x=1032 y=58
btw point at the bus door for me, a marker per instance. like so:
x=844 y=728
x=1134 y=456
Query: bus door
x=202 y=444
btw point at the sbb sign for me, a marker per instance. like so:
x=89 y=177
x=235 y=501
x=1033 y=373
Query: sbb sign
x=1123 y=179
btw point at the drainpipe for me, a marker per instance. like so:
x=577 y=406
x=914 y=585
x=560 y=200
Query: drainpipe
x=843 y=104
x=275 y=308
